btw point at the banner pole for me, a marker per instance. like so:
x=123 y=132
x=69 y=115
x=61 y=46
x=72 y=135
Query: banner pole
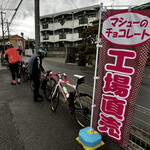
x=96 y=62
x=88 y=137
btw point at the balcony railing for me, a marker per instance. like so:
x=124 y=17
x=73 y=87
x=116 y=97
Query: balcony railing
x=45 y=26
x=83 y=20
x=45 y=38
x=62 y=36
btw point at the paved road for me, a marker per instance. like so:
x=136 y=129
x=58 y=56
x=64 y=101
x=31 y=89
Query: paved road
x=26 y=125
x=142 y=99
x=71 y=69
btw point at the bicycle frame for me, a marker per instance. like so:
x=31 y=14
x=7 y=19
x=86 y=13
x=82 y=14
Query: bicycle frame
x=59 y=81
x=78 y=103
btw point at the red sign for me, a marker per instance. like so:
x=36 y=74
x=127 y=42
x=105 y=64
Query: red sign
x=125 y=40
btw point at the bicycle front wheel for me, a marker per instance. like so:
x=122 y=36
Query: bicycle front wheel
x=48 y=88
x=54 y=99
x=82 y=111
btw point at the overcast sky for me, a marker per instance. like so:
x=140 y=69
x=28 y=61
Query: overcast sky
x=24 y=18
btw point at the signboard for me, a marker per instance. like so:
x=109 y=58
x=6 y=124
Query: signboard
x=20 y=44
x=125 y=40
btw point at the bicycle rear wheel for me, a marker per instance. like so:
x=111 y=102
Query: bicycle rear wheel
x=24 y=76
x=82 y=111
x=49 y=86
x=55 y=99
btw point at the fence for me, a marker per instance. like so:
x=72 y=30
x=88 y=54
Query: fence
x=140 y=131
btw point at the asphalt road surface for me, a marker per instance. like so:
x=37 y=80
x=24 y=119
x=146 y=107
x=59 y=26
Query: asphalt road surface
x=71 y=69
x=26 y=125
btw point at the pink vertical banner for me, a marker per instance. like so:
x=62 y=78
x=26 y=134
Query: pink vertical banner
x=122 y=59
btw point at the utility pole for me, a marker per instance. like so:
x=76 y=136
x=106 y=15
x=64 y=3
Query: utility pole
x=37 y=25
x=23 y=48
x=28 y=43
x=3 y=50
x=8 y=29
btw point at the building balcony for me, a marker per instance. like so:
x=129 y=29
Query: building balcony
x=64 y=37
x=46 y=38
x=68 y=24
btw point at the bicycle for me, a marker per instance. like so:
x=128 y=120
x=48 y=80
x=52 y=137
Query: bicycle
x=79 y=103
x=43 y=80
x=23 y=70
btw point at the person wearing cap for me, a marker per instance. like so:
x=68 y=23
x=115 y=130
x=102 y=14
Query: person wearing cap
x=34 y=68
x=13 y=57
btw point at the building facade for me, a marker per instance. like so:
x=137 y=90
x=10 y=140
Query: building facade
x=13 y=39
x=64 y=29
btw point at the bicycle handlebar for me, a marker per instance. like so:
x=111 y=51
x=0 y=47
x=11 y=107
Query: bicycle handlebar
x=59 y=75
x=81 y=79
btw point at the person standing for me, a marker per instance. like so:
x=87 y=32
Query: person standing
x=13 y=59
x=34 y=68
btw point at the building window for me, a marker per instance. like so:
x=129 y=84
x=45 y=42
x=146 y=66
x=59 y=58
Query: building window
x=50 y=33
x=62 y=21
x=61 y=44
x=92 y=15
x=45 y=37
x=45 y=25
x=62 y=36
x=83 y=20
x=69 y=19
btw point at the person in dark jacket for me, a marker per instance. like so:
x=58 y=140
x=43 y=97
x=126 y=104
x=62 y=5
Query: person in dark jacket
x=13 y=57
x=34 y=68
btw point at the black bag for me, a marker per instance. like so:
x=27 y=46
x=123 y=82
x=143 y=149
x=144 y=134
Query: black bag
x=71 y=101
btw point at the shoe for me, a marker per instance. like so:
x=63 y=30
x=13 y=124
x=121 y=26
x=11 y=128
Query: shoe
x=38 y=100
x=12 y=83
x=40 y=96
x=18 y=81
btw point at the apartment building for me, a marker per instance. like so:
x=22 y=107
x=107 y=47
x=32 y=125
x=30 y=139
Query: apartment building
x=64 y=29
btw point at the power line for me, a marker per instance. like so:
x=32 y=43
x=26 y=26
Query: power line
x=74 y=4
x=2 y=2
x=7 y=3
x=9 y=9
x=14 y=14
x=5 y=8
x=10 y=6
x=21 y=25
x=15 y=11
